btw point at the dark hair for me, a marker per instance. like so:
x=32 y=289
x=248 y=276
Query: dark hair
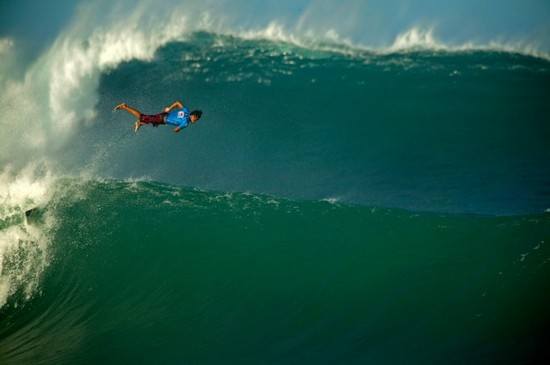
x=197 y=113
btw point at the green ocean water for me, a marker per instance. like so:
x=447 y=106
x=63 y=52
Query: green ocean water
x=144 y=272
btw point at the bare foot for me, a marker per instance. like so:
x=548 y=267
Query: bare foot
x=137 y=125
x=120 y=106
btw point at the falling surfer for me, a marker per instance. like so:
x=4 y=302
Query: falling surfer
x=176 y=114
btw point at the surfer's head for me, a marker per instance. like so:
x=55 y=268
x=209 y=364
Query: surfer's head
x=195 y=115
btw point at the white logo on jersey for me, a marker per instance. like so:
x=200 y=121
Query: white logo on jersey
x=181 y=114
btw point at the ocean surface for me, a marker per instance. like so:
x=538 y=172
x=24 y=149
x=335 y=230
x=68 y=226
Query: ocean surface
x=144 y=272
x=334 y=205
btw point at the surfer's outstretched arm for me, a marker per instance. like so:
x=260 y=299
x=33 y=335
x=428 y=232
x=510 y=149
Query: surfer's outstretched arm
x=129 y=109
x=176 y=104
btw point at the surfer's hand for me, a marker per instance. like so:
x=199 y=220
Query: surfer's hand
x=166 y=110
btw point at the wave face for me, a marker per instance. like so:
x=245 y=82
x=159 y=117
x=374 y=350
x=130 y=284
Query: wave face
x=421 y=130
x=142 y=272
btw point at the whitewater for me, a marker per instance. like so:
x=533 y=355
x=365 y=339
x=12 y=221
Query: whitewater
x=342 y=200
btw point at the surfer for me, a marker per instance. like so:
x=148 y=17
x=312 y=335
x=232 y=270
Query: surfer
x=181 y=117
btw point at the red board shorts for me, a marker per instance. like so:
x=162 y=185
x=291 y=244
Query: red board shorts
x=155 y=120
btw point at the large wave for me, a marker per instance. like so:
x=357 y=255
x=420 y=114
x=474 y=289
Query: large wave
x=49 y=105
x=416 y=120
x=57 y=91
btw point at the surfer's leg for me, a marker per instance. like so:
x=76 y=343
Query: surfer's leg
x=137 y=125
x=129 y=109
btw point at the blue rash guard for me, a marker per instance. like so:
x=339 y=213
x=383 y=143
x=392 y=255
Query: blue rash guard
x=179 y=117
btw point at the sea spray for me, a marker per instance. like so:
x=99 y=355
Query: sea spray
x=25 y=228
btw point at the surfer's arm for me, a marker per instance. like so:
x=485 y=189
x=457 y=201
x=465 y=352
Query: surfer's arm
x=182 y=125
x=174 y=105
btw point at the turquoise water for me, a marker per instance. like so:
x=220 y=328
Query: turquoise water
x=332 y=206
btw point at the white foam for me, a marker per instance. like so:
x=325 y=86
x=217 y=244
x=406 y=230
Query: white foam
x=416 y=38
x=333 y=200
x=23 y=248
